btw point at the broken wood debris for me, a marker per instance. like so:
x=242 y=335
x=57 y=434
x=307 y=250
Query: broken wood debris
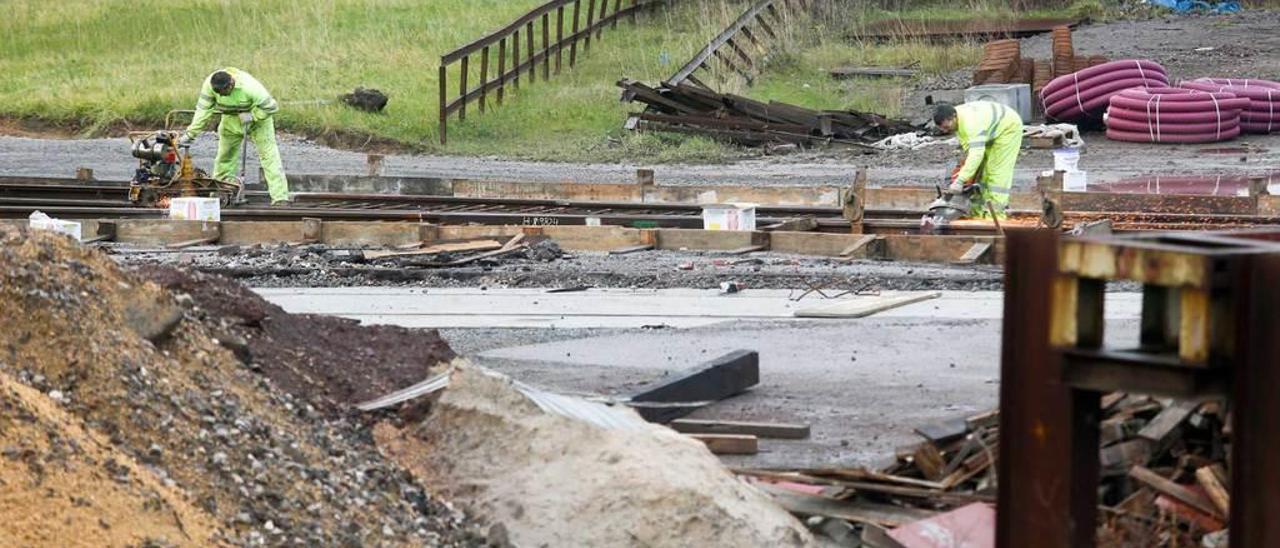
x=1162 y=460
x=447 y=253
x=690 y=109
x=728 y=375
x=729 y=444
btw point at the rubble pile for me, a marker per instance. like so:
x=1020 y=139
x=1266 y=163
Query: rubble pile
x=1164 y=477
x=151 y=382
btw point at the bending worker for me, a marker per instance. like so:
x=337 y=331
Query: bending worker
x=991 y=135
x=246 y=108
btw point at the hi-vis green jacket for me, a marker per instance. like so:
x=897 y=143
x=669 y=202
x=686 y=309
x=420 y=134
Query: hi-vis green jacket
x=991 y=134
x=249 y=95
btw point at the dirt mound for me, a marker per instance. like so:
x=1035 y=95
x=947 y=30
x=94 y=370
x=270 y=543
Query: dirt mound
x=63 y=485
x=265 y=464
x=332 y=362
x=549 y=480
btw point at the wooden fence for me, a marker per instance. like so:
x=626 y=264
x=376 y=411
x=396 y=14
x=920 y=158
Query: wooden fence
x=731 y=47
x=560 y=24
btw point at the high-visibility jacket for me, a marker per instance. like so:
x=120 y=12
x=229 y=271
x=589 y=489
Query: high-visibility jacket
x=248 y=95
x=991 y=134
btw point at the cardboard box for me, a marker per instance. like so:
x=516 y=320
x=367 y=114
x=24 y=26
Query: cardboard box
x=195 y=209
x=729 y=217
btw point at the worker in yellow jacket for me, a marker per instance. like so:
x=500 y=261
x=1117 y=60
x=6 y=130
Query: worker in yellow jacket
x=991 y=135
x=247 y=108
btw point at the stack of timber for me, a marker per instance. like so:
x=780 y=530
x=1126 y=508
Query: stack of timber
x=1164 y=478
x=694 y=110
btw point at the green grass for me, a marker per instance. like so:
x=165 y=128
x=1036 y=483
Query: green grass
x=98 y=65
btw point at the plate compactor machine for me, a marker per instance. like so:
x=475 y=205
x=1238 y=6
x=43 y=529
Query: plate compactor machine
x=166 y=171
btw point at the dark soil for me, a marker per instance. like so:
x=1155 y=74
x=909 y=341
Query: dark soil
x=332 y=362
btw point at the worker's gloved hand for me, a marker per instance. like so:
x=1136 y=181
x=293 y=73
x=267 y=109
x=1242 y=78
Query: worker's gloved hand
x=956 y=187
x=246 y=118
x=186 y=139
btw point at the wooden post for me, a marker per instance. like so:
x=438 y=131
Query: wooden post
x=573 y=42
x=591 y=17
x=484 y=77
x=373 y=165
x=546 y=46
x=604 y=6
x=515 y=59
x=462 y=88
x=559 y=37
x=502 y=69
x=617 y=7
x=84 y=174
x=444 y=103
x=528 y=38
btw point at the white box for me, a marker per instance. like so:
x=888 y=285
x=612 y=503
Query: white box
x=729 y=217
x=1014 y=96
x=1075 y=181
x=195 y=209
x=70 y=228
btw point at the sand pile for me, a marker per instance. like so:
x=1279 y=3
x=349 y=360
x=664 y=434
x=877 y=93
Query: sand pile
x=61 y=484
x=145 y=373
x=549 y=480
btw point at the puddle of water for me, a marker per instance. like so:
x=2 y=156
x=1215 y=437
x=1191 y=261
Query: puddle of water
x=1196 y=185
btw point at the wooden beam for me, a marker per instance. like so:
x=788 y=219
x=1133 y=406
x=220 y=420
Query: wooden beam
x=729 y=444
x=976 y=251
x=631 y=249
x=857 y=512
x=758 y=429
x=1213 y=480
x=1167 y=487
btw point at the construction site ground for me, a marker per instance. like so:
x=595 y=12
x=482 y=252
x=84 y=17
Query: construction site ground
x=621 y=322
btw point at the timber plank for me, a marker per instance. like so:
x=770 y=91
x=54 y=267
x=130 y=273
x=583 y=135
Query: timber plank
x=758 y=429
x=729 y=444
x=1173 y=490
x=715 y=380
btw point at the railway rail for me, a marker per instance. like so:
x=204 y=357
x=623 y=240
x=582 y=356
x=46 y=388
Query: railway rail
x=77 y=199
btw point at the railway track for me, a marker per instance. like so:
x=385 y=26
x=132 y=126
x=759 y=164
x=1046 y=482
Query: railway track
x=75 y=199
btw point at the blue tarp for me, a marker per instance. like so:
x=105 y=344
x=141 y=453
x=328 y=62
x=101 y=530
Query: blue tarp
x=1184 y=6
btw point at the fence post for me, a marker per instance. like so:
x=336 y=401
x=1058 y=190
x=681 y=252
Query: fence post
x=604 y=6
x=591 y=17
x=635 y=12
x=484 y=77
x=528 y=38
x=546 y=46
x=462 y=88
x=515 y=59
x=573 y=42
x=617 y=7
x=444 y=103
x=559 y=37
x=502 y=69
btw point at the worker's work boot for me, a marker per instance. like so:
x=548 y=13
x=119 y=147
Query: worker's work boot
x=282 y=204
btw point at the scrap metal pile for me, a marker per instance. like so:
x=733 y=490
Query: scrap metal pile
x=1162 y=463
x=690 y=109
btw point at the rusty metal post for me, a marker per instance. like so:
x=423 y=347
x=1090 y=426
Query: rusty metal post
x=444 y=104
x=1047 y=467
x=1255 y=481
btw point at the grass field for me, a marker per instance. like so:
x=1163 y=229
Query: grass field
x=98 y=64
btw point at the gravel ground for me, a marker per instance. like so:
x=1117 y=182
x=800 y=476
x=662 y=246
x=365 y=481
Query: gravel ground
x=318 y=266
